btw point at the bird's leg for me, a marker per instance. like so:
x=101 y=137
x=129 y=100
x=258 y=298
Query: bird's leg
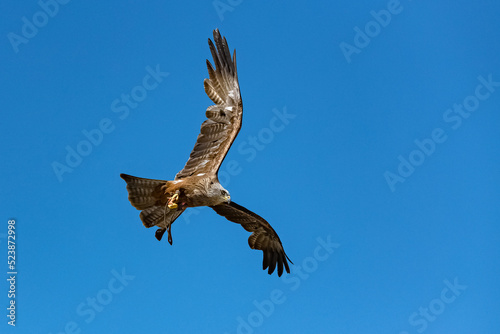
x=172 y=202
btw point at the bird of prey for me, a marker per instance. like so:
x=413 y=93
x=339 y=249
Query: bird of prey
x=162 y=202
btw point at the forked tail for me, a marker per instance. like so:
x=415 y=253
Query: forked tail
x=147 y=195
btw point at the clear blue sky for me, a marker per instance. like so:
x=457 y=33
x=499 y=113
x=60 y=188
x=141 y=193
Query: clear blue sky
x=370 y=142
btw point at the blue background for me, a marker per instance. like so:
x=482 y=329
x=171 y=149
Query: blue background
x=318 y=177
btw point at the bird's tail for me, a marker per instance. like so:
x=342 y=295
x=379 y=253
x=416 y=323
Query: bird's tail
x=146 y=195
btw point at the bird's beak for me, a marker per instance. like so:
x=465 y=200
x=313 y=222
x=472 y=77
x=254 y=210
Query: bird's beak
x=227 y=199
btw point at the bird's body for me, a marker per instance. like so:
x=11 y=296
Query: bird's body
x=162 y=202
x=198 y=191
x=191 y=191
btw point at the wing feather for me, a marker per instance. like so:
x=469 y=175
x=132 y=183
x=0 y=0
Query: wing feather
x=223 y=122
x=263 y=238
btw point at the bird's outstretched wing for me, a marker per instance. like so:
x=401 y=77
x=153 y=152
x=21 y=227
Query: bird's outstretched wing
x=224 y=118
x=263 y=237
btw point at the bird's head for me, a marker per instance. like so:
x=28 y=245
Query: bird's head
x=224 y=196
x=219 y=194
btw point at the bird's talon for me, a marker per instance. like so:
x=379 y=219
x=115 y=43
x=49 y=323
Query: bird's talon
x=172 y=202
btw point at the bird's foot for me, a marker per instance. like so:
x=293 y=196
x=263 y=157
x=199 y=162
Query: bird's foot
x=172 y=202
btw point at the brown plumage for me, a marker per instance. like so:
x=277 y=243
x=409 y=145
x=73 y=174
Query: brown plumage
x=162 y=202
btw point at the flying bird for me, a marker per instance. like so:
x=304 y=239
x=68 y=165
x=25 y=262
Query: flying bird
x=162 y=202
